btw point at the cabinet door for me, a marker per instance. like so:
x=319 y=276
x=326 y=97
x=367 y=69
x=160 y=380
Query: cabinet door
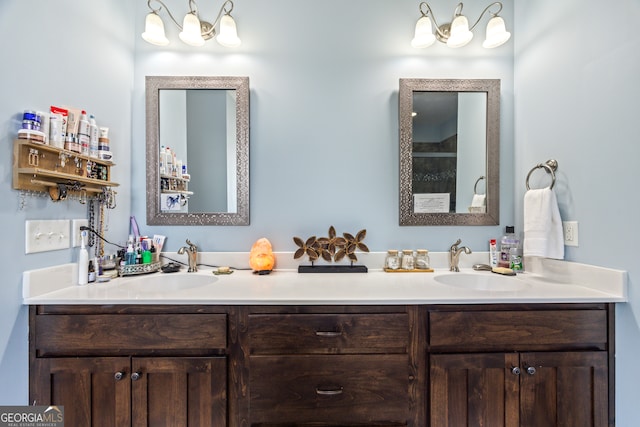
x=95 y=391
x=179 y=391
x=568 y=389
x=479 y=390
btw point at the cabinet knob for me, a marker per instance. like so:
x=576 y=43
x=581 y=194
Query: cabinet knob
x=118 y=376
x=329 y=391
x=531 y=370
x=515 y=370
x=136 y=376
x=328 y=333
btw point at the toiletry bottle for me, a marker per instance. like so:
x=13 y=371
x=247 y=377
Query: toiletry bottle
x=493 y=253
x=515 y=259
x=83 y=260
x=93 y=137
x=84 y=133
x=508 y=241
x=130 y=255
x=92 y=272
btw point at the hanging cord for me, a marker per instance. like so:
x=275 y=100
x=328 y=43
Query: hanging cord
x=100 y=236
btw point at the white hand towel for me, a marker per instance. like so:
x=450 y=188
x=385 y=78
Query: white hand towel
x=542 y=225
x=478 y=200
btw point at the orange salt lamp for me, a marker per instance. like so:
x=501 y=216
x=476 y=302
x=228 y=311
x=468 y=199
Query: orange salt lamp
x=261 y=259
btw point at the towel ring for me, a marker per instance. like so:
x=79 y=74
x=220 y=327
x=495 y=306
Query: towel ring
x=476 y=184
x=551 y=166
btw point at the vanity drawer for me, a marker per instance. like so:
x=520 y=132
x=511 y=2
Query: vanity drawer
x=330 y=389
x=131 y=334
x=505 y=330
x=328 y=333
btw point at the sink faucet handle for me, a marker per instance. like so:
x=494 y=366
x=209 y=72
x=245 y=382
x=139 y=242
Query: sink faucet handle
x=455 y=245
x=192 y=247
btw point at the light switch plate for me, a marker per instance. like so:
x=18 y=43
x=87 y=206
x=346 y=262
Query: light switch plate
x=46 y=235
x=76 y=240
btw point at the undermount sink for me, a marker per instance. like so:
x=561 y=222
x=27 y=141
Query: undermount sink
x=167 y=283
x=482 y=282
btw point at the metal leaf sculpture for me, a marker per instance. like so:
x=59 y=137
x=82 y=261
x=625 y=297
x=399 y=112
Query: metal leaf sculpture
x=332 y=247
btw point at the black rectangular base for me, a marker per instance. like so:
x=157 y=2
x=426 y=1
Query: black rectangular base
x=332 y=269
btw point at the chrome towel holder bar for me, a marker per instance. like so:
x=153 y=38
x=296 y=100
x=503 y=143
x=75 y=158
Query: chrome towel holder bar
x=551 y=166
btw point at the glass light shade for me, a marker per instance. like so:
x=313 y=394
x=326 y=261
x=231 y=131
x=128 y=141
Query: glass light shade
x=228 y=33
x=497 y=33
x=190 y=33
x=154 y=30
x=459 y=34
x=424 y=36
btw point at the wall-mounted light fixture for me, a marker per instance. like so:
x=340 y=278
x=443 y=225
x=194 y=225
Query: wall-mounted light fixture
x=193 y=30
x=457 y=33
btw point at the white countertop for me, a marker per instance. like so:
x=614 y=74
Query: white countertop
x=565 y=283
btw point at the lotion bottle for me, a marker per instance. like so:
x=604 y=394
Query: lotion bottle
x=83 y=260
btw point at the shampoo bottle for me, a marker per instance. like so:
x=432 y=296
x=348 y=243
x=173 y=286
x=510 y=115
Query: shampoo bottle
x=83 y=260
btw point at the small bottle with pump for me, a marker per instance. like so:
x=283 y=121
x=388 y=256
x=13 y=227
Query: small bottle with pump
x=130 y=256
x=83 y=260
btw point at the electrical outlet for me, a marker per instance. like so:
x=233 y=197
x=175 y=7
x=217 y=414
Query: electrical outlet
x=570 y=231
x=76 y=239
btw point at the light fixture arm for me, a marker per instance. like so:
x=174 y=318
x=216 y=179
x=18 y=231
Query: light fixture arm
x=165 y=8
x=208 y=29
x=443 y=31
x=429 y=14
x=486 y=9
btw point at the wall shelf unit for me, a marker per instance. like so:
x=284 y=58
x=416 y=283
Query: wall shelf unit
x=40 y=167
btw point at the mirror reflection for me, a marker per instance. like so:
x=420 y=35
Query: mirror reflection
x=193 y=122
x=197 y=150
x=449 y=151
x=449 y=147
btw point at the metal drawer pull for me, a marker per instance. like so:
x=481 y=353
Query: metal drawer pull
x=515 y=370
x=136 y=376
x=531 y=370
x=328 y=333
x=329 y=392
x=118 y=376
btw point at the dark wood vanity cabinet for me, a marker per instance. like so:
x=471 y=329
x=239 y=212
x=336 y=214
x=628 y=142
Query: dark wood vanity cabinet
x=334 y=366
x=510 y=365
x=130 y=366
x=524 y=366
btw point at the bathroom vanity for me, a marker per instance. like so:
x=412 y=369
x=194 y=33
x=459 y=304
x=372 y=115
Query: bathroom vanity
x=336 y=355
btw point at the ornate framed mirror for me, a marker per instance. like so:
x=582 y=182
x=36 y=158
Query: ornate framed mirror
x=197 y=132
x=449 y=152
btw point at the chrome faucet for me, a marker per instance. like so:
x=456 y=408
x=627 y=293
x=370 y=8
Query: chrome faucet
x=454 y=255
x=192 y=254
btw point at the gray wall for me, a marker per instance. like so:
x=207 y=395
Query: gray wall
x=576 y=100
x=68 y=52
